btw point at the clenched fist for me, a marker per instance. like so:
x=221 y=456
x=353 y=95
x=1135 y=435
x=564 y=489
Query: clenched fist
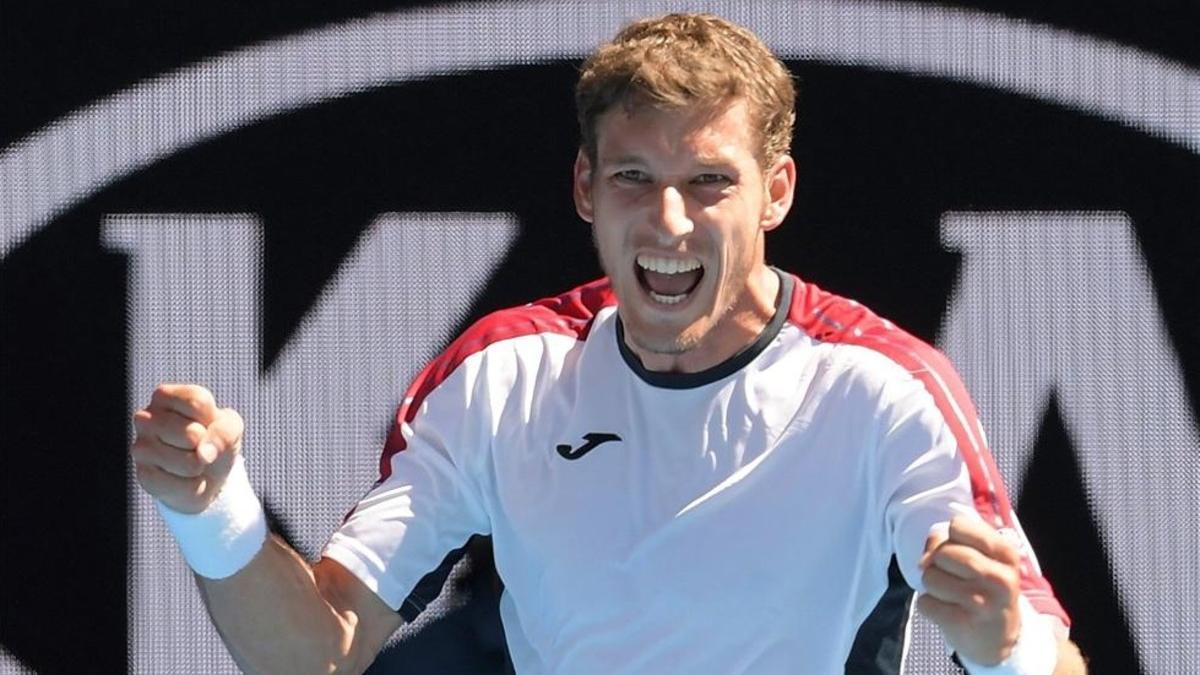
x=972 y=581
x=185 y=446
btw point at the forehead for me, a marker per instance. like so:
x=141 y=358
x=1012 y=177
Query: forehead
x=716 y=132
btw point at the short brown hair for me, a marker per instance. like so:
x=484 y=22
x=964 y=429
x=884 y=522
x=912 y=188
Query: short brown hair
x=689 y=59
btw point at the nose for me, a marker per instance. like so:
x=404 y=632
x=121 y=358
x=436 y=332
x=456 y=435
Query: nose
x=673 y=220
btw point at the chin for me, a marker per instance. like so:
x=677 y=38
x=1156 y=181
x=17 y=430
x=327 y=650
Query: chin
x=664 y=342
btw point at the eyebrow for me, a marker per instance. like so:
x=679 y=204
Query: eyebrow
x=710 y=162
x=713 y=163
x=625 y=159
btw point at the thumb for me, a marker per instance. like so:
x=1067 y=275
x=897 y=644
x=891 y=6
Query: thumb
x=223 y=436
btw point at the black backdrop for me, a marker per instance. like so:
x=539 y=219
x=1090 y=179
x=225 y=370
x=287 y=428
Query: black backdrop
x=883 y=156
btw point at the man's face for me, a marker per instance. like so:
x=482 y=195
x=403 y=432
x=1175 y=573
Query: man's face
x=679 y=205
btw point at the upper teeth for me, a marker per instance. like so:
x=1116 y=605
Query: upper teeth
x=667 y=265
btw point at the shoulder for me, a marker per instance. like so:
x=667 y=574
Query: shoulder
x=873 y=351
x=570 y=314
x=830 y=318
x=919 y=368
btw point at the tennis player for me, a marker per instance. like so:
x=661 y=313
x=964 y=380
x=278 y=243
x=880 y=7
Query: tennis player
x=697 y=464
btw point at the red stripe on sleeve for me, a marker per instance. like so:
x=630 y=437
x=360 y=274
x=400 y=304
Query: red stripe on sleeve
x=830 y=318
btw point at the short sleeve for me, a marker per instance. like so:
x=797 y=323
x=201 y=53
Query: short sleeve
x=934 y=464
x=923 y=479
x=427 y=503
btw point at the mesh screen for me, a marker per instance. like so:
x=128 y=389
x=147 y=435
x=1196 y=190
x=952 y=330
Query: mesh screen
x=318 y=417
x=1047 y=304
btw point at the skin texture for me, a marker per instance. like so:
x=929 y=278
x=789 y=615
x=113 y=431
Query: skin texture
x=685 y=184
x=671 y=183
x=972 y=582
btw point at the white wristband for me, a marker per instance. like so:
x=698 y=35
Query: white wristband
x=1036 y=651
x=223 y=538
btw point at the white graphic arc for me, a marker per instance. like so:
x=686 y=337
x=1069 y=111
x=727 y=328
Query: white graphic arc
x=156 y=118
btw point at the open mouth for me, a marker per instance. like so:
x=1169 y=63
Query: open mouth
x=668 y=281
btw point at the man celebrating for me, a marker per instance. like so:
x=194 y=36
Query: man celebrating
x=697 y=464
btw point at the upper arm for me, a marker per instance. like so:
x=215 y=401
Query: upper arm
x=369 y=620
x=428 y=502
x=922 y=478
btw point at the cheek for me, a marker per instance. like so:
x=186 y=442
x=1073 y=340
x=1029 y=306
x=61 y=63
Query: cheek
x=734 y=245
x=608 y=242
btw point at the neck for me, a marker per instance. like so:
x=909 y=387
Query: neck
x=733 y=332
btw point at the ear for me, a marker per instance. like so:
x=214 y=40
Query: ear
x=583 y=186
x=780 y=184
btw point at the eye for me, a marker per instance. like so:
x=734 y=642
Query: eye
x=632 y=176
x=718 y=179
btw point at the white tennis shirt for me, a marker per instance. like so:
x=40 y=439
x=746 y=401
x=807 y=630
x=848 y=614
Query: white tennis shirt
x=739 y=520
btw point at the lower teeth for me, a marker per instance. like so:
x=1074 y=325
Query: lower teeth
x=668 y=299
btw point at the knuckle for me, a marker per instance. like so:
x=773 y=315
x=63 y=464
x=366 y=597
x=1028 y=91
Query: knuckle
x=201 y=397
x=1011 y=579
x=965 y=557
x=191 y=401
x=992 y=575
x=1003 y=581
x=227 y=429
x=194 y=433
x=185 y=464
x=234 y=419
x=201 y=404
x=1008 y=552
x=162 y=392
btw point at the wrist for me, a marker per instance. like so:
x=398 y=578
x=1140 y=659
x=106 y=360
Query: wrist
x=224 y=537
x=1036 y=650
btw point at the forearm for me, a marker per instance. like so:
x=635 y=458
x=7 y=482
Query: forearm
x=275 y=612
x=275 y=617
